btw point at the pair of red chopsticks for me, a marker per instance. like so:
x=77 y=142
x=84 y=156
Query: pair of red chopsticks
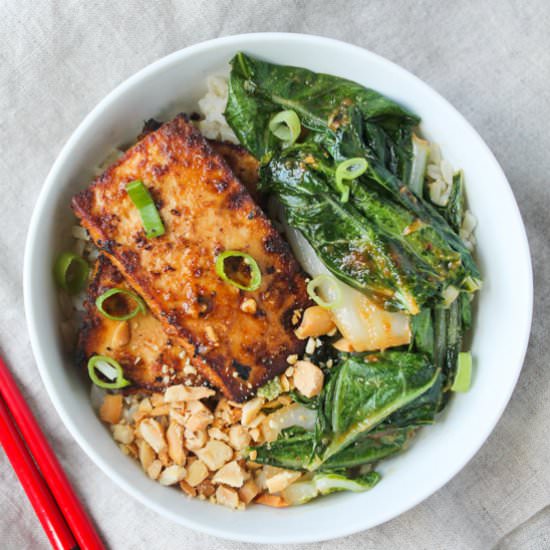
x=64 y=520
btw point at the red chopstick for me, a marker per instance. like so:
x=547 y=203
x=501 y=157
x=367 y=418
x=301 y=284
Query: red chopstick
x=33 y=483
x=71 y=508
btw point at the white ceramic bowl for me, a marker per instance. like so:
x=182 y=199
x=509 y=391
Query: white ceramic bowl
x=502 y=323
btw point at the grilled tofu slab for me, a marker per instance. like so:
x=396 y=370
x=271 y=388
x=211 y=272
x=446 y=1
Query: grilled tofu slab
x=237 y=339
x=148 y=356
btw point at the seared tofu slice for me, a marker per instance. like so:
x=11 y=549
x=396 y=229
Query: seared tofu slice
x=148 y=356
x=237 y=339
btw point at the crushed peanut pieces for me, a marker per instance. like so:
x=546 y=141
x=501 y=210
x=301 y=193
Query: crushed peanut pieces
x=181 y=439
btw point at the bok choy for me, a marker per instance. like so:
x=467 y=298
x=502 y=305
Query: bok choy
x=348 y=170
x=363 y=391
x=384 y=239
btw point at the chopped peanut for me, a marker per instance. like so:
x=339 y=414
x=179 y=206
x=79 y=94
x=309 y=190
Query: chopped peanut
x=172 y=475
x=187 y=489
x=343 y=345
x=176 y=416
x=195 y=440
x=197 y=472
x=157 y=399
x=206 y=488
x=161 y=410
x=145 y=405
x=249 y=306
x=186 y=393
x=291 y=359
x=216 y=433
x=238 y=437
x=227 y=412
x=285 y=384
x=123 y=433
x=174 y=436
x=111 y=409
x=215 y=454
x=251 y=409
x=164 y=457
x=228 y=497
x=316 y=321
x=231 y=474
x=200 y=418
x=248 y=491
x=146 y=454
x=308 y=378
x=154 y=469
x=152 y=432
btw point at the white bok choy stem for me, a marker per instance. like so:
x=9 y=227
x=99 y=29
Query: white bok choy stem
x=421 y=153
x=365 y=324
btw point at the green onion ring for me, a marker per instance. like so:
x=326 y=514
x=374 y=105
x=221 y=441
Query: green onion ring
x=286 y=126
x=319 y=280
x=463 y=375
x=255 y=273
x=349 y=170
x=71 y=272
x=140 y=305
x=150 y=217
x=119 y=382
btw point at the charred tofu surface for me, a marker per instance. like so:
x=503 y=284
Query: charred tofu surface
x=242 y=164
x=237 y=339
x=149 y=358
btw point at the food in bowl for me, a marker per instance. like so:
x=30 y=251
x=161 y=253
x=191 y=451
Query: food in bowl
x=272 y=318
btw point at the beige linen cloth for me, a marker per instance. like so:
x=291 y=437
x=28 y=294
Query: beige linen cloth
x=491 y=59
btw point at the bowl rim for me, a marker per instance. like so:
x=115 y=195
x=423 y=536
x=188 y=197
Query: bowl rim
x=242 y=40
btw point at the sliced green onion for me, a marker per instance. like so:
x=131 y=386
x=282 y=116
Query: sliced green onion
x=143 y=201
x=140 y=305
x=255 y=273
x=349 y=170
x=286 y=126
x=71 y=272
x=110 y=368
x=319 y=282
x=463 y=375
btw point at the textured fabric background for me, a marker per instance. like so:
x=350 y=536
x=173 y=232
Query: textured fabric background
x=491 y=59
